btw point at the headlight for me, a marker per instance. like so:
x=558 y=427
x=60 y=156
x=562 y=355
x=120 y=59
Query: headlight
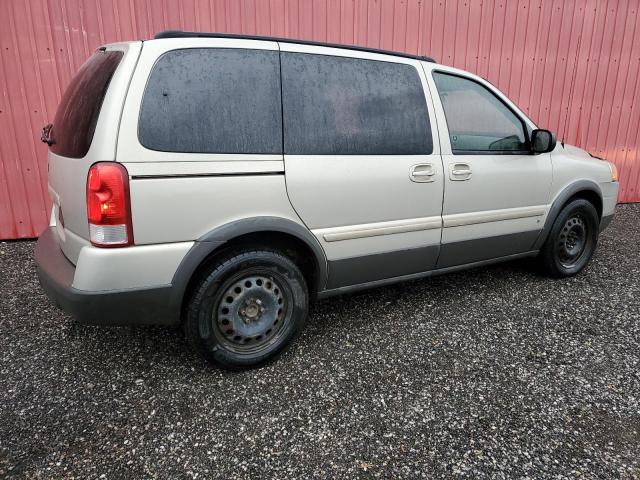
x=614 y=172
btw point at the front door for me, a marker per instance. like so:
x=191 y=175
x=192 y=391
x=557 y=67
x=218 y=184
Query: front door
x=363 y=167
x=496 y=192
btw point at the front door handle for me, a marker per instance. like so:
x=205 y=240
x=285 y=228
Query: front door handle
x=422 y=173
x=459 y=172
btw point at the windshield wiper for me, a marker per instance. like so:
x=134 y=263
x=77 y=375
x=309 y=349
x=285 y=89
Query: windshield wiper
x=45 y=136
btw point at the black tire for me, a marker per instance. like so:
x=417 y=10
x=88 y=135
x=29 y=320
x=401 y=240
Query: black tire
x=572 y=239
x=247 y=309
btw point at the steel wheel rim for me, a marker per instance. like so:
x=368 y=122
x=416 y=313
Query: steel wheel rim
x=252 y=312
x=572 y=241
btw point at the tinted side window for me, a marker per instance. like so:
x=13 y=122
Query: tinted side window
x=476 y=118
x=77 y=114
x=213 y=100
x=348 y=106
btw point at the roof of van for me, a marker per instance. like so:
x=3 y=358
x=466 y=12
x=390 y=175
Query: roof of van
x=181 y=34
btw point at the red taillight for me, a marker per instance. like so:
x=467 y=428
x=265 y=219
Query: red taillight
x=108 y=205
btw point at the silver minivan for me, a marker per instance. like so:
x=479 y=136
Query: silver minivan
x=225 y=182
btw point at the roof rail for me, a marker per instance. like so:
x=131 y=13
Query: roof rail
x=181 y=34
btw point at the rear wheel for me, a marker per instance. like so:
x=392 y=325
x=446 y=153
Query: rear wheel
x=572 y=240
x=247 y=309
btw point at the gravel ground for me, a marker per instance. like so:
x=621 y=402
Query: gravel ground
x=496 y=372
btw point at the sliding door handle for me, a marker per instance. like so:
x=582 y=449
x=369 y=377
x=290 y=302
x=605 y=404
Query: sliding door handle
x=422 y=173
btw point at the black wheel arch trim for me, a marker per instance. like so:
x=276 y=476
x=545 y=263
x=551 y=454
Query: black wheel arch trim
x=560 y=201
x=216 y=238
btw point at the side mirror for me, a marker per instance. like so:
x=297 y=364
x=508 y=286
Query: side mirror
x=542 y=141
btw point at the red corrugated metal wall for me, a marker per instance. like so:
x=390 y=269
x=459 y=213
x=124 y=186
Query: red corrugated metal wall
x=571 y=65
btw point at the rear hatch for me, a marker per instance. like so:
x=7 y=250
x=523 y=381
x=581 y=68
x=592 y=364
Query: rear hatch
x=84 y=132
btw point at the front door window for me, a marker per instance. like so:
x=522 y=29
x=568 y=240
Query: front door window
x=478 y=121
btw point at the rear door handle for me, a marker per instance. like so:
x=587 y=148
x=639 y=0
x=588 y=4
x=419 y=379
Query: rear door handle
x=459 y=172
x=422 y=173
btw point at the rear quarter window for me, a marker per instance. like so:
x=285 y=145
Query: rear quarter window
x=213 y=100
x=75 y=121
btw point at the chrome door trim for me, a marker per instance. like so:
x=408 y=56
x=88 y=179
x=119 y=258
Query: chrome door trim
x=460 y=219
x=350 y=232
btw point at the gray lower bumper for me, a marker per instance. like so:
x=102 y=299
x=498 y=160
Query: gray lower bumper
x=606 y=220
x=122 y=307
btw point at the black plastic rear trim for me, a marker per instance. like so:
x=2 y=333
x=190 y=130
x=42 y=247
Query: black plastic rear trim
x=181 y=34
x=211 y=241
x=198 y=175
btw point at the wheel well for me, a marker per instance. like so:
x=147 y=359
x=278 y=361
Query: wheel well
x=291 y=246
x=590 y=196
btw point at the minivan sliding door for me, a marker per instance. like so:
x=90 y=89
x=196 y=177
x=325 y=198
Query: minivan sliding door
x=363 y=170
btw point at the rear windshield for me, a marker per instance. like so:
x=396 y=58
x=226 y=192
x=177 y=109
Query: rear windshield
x=77 y=114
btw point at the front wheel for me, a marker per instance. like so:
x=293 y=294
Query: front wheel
x=572 y=240
x=247 y=308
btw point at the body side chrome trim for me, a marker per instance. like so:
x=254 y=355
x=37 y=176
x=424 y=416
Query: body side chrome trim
x=350 y=232
x=460 y=219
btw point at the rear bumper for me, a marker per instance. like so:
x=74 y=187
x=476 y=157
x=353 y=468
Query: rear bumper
x=143 y=306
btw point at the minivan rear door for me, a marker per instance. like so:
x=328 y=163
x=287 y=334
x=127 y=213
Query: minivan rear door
x=362 y=160
x=84 y=132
